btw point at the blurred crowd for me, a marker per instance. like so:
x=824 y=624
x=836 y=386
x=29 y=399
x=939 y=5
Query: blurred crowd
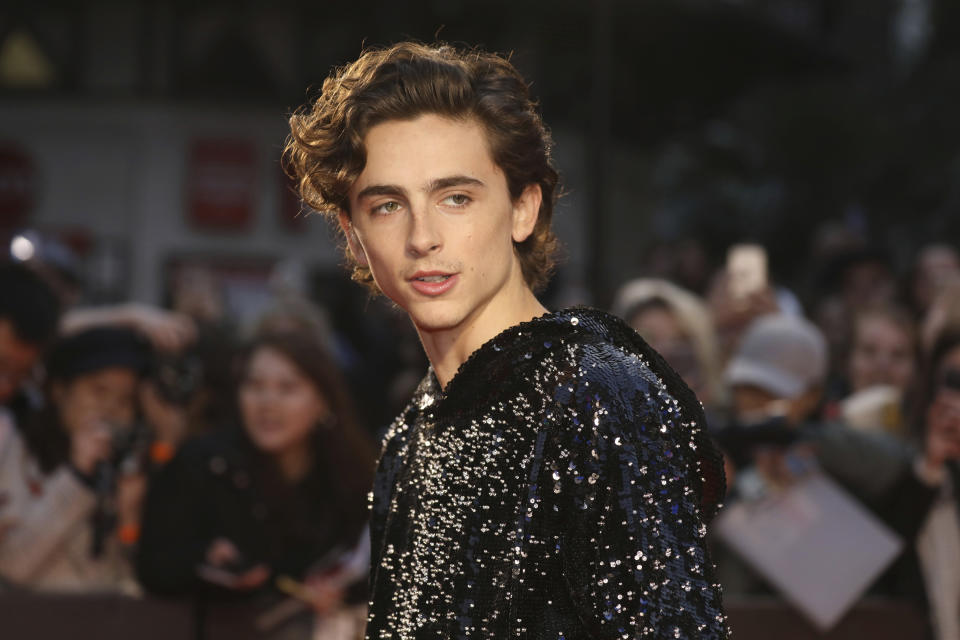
x=170 y=452
x=164 y=452
x=853 y=374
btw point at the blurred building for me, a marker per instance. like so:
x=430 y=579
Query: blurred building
x=148 y=133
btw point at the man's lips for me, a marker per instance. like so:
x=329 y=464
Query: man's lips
x=432 y=283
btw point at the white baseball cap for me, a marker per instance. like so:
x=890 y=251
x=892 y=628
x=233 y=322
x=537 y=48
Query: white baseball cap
x=785 y=355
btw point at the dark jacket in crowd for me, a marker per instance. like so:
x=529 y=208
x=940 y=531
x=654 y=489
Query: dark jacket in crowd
x=218 y=486
x=906 y=507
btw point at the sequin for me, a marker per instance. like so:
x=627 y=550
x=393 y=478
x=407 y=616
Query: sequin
x=532 y=501
x=218 y=465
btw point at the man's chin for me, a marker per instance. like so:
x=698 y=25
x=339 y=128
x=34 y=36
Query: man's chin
x=434 y=317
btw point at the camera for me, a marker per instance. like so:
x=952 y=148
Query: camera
x=740 y=440
x=177 y=378
x=129 y=445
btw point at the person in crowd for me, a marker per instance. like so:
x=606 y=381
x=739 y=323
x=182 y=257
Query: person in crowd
x=883 y=350
x=936 y=265
x=188 y=373
x=923 y=503
x=274 y=500
x=71 y=473
x=851 y=281
x=295 y=314
x=29 y=317
x=677 y=324
x=864 y=277
x=881 y=367
x=776 y=432
x=38 y=300
x=774 y=384
x=778 y=370
x=943 y=312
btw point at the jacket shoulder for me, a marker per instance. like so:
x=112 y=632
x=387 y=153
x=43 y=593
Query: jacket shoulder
x=617 y=383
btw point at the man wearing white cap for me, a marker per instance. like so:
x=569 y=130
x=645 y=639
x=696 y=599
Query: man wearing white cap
x=778 y=370
x=776 y=379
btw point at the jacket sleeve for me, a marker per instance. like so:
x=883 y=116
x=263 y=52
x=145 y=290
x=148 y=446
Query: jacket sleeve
x=868 y=464
x=634 y=550
x=907 y=503
x=43 y=524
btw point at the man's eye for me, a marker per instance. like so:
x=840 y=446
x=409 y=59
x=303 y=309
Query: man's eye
x=387 y=207
x=457 y=200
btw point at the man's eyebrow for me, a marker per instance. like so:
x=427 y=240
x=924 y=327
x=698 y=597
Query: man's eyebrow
x=434 y=185
x=452 y=181
x=380 y=190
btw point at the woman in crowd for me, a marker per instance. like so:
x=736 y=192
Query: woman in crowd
x=883 y=350
x=678 y=325
x=923 y=505
x=935 y=267
x=72 y=498
x=271 y=502
x=881 y=368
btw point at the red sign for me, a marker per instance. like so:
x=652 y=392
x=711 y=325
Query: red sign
x=222 y=184
x=18 y=186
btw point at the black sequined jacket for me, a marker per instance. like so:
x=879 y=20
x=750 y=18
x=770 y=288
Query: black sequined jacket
x=558 y=488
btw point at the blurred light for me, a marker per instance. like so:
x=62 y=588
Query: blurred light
x=23 y=62
x=22 y=248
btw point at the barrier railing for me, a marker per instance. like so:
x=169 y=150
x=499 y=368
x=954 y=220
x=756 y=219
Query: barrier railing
x=100 y=617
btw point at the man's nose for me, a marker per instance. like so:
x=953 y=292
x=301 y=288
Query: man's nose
x=423 y=236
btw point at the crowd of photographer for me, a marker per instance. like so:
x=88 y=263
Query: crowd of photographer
x=859 y=384
x=153 y=451
x=131 y=463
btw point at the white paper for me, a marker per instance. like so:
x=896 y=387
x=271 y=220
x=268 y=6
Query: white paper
x=813 y=542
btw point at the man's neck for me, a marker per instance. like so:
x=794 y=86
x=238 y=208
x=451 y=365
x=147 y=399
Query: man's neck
x=449 y=348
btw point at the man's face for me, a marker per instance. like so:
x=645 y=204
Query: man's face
x=432 y=217
x=751 y=404
x=17 y=359
x=105 y=398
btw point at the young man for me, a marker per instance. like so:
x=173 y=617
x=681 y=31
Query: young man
x=550 y=478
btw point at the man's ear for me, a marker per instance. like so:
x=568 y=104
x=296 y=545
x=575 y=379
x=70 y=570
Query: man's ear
x=526 y=209
x=353 y=242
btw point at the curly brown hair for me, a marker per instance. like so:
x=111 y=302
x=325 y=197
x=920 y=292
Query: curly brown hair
x=325 y=154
